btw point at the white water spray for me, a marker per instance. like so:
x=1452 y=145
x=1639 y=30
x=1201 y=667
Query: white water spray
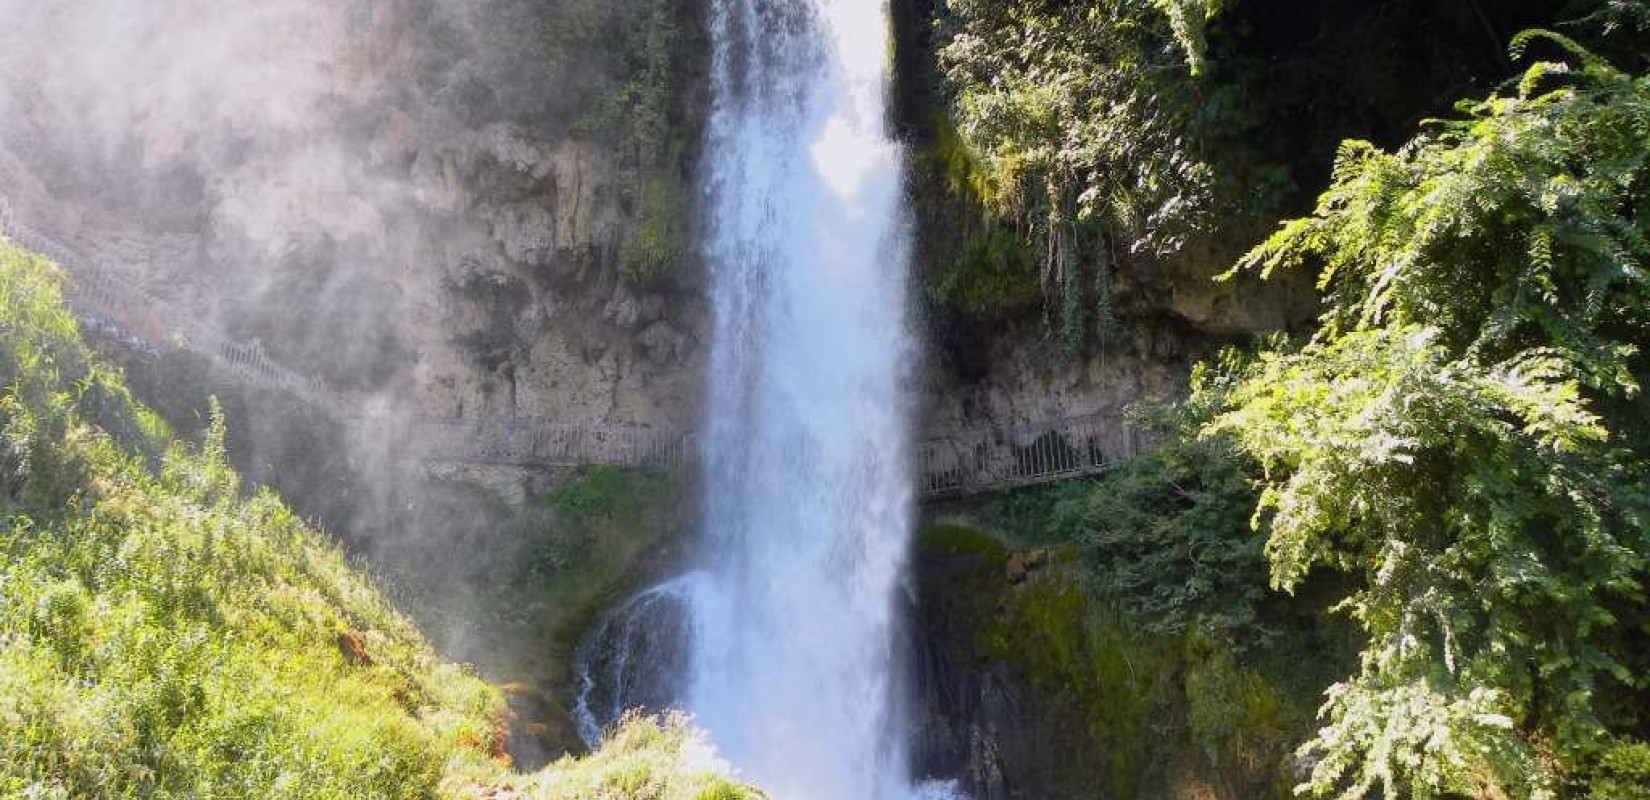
x=808 y=505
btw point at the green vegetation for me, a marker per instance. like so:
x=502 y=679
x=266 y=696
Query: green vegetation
x=1135 y=147
x=1076 y=132
x=610 y=525
x=164 y=633
x=645 y=113
x=1119 y=681
x=942 y=539
x=994 y=276
x=1465 y=437
x=1077 y=115
x=632 y=107
x=596 y=495
x=1454 y=461
x=994 y=272
x=644 y=759
x=1164 y=537
x=660 y=239
x=1134 y=709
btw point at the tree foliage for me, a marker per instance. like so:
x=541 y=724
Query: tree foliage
x=1465 y=435
x=639 y=113
x=1077 y=122
x=1164 y=536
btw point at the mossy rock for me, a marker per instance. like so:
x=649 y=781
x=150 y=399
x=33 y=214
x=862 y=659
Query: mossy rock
x=951 y=539
x=1102 y=706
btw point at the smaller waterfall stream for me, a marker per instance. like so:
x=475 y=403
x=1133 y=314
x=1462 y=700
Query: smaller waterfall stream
x=638 y=657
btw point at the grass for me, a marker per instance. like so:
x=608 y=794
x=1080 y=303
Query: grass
x=164 y=633
x=646 y=758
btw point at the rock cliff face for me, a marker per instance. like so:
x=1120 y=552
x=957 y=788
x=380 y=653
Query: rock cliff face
x=1020 y=374
x=532 y=318
x=352 y=186
x=429 y=208
x=1026 y=686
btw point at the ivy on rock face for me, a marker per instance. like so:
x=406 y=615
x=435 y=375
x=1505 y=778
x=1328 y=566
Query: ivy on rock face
x=1077 y=113
x=1465 y=434
x=1076 y=121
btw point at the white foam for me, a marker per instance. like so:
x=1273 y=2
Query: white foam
x=808 y=490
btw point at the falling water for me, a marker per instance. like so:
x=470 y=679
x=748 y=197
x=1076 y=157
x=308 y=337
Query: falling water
x=808 y=492
x=636 y=657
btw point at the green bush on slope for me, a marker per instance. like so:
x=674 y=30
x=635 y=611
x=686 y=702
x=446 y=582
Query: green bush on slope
x=162 y=634
x=644 y=759
x=1164 y=536
x=1075 y=132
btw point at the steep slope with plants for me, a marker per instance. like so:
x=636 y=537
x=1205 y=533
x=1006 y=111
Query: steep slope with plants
x=476 y=213
x=165 y=633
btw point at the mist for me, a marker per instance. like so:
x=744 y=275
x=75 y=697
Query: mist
x=416 y=207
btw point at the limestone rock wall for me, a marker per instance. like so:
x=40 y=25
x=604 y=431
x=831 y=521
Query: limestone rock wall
x=320 y=181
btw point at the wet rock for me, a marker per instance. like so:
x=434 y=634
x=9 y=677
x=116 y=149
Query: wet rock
x=635 y=657
x=624 y=310
x=662 y=344
x=513 y=148
x=526 y=231
x=985 y=770
x=1017 y=567
x=535 y=732
x=653 y=307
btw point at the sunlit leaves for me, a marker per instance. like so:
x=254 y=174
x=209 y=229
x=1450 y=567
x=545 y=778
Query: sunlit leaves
x=1079 y=121
x=1186 y=19
x=1459 y=433
x=1522 y=215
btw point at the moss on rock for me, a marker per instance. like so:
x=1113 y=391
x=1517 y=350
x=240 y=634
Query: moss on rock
x=1105 y=703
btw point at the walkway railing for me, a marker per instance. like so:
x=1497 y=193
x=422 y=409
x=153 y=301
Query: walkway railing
x=956 y=464
x=109 y=300
x=543 y=443
x=994 y=459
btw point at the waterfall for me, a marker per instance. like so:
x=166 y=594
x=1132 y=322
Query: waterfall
x=808 y=492
x=636 y=657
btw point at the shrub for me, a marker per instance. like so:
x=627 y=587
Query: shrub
x=1465 y=434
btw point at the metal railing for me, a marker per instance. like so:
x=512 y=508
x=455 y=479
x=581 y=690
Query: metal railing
x=994 y=459
x=545 y=443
